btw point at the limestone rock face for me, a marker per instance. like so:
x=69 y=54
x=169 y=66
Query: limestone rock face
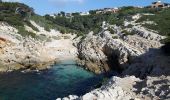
x=116 y=89
x=155 y=87
x=91 y=53
x=17 y=52
x=148 y=34
x=152 y=63
x=129 y=88
x=26 y=54
x=146 y=71
x=100 y=53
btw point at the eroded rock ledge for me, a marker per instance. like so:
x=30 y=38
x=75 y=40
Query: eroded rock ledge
x=100 y=53
x=129 y=88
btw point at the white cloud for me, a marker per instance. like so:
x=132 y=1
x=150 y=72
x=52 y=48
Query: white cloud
x=65 y=2
x=11 y=0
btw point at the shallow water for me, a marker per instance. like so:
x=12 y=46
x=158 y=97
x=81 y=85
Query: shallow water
x=59 y=81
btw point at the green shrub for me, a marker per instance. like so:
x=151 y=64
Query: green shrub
x=119 y=22
x=17 y=20
x=13 y=20
x=166 y=40
x=111 y=31
x=40 y=20
x=32 y=26
x=130 y=26
x=162 y=20
x=115 y=37
x=127 y=33
x=83 y=24
x=23 y=32
x=96 y=30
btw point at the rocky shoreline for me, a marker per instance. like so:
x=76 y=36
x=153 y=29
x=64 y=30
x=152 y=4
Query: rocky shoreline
x=144 y=69
x=27 y=53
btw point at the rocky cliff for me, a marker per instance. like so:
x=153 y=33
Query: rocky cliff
x=129 y=88
x=133 y=52
x=144 y=69
x=102 y=52
x=18 y=52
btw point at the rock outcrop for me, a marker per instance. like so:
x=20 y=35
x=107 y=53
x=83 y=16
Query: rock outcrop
x=91 y=54
x=153 y=82
x=100 y=53
x=26 y=54
x=129 y=88
x=116 y=89
x=144 y=68
x=18 y=52
x=148 y=34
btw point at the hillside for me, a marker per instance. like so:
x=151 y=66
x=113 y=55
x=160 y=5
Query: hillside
x=28 y=41
x=93 y=22
x=134 y=43
x=18 y=15
x=134 y=51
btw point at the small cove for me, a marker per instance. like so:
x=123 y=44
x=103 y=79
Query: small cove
x=61 y=80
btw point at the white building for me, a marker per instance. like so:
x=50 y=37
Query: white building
x=53 y=15
x=84 y=13
x=160 y=4
x=105 y=10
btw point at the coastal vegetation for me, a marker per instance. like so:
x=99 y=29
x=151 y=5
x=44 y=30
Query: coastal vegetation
x=162 y=20
x=93 y=22
x=83 y=24
x=124 y=44
x=18 y=15
x=9 y=14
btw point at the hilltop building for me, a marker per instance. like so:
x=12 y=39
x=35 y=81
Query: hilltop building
x=84 y=13
x=53 y=15
x=105 y=10
x=160 y=4
x=68 y=15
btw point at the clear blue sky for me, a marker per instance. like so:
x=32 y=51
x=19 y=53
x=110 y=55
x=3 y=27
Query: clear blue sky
x=53 y=6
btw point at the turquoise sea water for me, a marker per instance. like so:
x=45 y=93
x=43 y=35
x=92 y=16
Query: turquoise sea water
x=59 y=81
